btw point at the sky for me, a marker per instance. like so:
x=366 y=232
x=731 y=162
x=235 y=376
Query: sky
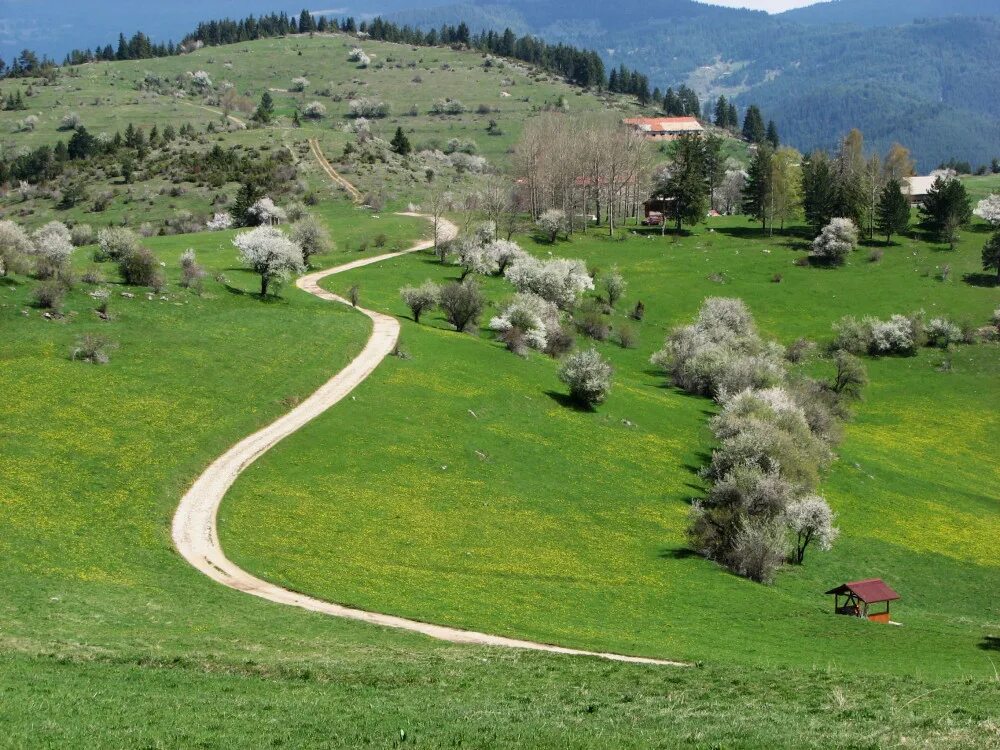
x=772 y=6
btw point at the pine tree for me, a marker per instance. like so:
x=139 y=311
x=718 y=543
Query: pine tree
x=687 y=183
x=245 y=198
x=893 y=214
x=756 y=193
x=772 y=134
x=946 y=209
x=400 y=143
x=721 y=113
x=733 y=117
x=991 y=255
x=819 y=191
x=753 y=125
x=265 y=110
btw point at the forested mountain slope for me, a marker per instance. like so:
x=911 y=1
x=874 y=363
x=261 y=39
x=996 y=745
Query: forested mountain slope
x=923 y=82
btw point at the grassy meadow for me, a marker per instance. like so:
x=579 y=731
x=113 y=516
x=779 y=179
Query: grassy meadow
x=496 y=506
x=457 y=485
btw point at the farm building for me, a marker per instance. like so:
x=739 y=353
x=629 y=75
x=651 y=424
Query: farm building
x=860 y=595
x=664 y=128
x=917 y=187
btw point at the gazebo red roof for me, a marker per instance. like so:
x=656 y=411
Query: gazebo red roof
x=870 y=591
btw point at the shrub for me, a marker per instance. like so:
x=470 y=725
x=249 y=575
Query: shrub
x=311 y=236
x=140 y=268
x=893 y=336
x=588 y=377
x=462 y=303
x=759 y=550
x=53 y=247
x=559 y=341
x=852 y=335
x=721 y=353
x=354 y=295
x=638 y=312
x=593 y=325
x=614 y=285
x=114 y=243
x=94 y=348
x=851 y=376
x=49 y=295
x=314 y=110
x=447 y=107
x=557 y=280
x=299 y=84
x=82 y=234
x=627 y=337
x=15 y=245
x=875 y=256
x=534 y=317
x=515 y=341
x=421 y=298
x=363 y=107
x=191 y=273
x=358 y=55
x=837 y=240
x=799 y=350
x=70 y=121
x=93 y=275
x=942 y=333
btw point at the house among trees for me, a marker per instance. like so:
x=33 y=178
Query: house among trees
x=917 y=187
x=860 y=595
x=664 y=128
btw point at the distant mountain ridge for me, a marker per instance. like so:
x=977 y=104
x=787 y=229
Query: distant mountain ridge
x=927 y=81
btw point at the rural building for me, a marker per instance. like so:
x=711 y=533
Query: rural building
x=860 y=595
x=664 y=128
x=917 y=187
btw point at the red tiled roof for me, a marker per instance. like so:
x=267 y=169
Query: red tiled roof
x=870 y=590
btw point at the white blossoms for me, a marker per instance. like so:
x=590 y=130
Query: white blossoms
x=221 y=220
x=534 y=316
x=558 y=280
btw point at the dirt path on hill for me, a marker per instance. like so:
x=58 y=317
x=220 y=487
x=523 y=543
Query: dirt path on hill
x=194 y=529
x=332 y=173
x=232 y=118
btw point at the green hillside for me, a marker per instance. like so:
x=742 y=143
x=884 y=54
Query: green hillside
x=458 y=485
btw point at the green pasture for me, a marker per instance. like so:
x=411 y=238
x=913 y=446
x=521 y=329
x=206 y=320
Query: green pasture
x=496 y=506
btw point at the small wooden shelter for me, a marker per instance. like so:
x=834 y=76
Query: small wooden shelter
x=860 y=595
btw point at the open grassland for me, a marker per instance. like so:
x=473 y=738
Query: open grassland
x=495 y=506
x=109 y=639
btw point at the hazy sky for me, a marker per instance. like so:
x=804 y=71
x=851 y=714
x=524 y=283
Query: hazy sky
x=769 y=5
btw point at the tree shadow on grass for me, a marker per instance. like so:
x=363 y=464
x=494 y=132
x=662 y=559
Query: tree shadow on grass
x=564 y=399
x=989 y=643
x=986 y=280
x=678 y=553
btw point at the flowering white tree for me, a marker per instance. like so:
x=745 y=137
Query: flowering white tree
x=893 y=336
x=551 y=223
x=268 y=252
x=506 y=253
x=358 y=55
x=614 y=285
x=69 y=121
x=221 y=220
x=988 y=209
x=364 y=107
x=314 y=110
x=836 y=241
x=53 y=244
x=558 y=280
x=535 y=317
x=14 y=243
x=201 y=79
x=420 y=298
x=311 y=236
x=475 y=258
x=588 y=377
x=116 y=242
x=266 y=212
x=299 y=84
x=811 y=520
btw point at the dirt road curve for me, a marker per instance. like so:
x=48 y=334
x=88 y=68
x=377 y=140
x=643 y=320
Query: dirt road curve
x=194 y=525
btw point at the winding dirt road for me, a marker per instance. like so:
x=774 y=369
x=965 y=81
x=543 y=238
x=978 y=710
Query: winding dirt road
x=194 y=526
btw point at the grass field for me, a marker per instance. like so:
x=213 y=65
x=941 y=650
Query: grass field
x=532 y=518
x=458 y=487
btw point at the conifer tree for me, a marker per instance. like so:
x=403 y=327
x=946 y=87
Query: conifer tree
x=400 y=143
x=893 y=213
x=772 y=134
x=753 y=125
x=756 y=193
x=265 y=110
